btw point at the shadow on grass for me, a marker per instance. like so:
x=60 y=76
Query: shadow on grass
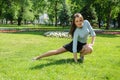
x=57 y=62
x=118 y=47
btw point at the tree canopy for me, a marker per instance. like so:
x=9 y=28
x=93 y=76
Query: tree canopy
x=60 y=11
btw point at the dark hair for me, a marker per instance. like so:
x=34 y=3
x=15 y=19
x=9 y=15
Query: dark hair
x=73 y=26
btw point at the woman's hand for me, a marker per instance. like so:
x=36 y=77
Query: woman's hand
x=75 y=57
x=90 y=45
x=92 y=41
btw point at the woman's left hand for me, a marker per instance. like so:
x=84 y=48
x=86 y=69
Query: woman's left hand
x=90 y=45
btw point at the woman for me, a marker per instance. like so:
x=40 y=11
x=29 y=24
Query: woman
x=79 y=31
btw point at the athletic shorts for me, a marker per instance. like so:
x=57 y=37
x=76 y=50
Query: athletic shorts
x=69 y=46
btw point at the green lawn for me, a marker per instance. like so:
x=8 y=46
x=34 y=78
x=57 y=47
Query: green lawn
x=17 y=50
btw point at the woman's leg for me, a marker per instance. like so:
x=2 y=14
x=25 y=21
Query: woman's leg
x=50 y=53
x=86 y=50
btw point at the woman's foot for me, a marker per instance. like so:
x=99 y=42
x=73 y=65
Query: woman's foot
x=81 y=59
x=35 y=58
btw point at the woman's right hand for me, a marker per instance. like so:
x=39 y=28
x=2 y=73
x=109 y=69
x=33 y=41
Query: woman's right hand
x=75 y=57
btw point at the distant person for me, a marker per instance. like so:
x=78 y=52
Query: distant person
x=79 y=31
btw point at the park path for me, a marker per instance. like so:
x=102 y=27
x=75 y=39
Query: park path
x=13 y=30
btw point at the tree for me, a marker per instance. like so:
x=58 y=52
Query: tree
x=25 y=11
x=89 y=13
x=11 y=12
x=116 y=14
x=118 y=19
x=2 y=6
x=100 y=12
x=65 y=14
x=51 y=7
x=76 y=5
x=39 y=6
x=56 y=2
x=8 y=10
x=108 y=9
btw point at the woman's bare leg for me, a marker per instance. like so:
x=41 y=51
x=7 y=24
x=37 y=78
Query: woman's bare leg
x=50 y=53
x=86 y=50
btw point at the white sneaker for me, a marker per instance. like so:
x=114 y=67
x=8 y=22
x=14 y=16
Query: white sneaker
x=34 y=59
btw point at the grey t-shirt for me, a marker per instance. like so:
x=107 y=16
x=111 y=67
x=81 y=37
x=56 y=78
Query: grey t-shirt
x=81 y=34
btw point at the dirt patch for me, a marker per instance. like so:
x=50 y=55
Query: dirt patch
x=8 y=31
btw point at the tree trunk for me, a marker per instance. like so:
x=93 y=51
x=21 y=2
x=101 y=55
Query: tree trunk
x=118 y=20
x=19 y=21
x=11 y=21
x=55 y=13
x=108 y=23
x=6 y=21
x=99 y=21
x=114 y=22
x=25 y=21
x=20 y=16
x=108 y=19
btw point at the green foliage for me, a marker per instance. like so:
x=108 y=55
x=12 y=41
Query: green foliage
x=28 y=15
x=89 y=13
x=60 y=10
x=107 y=10
x=115 y=9
x=17 y=50
x=40 y=6
x=26 y=10
x=64 y=15
x=76 y=5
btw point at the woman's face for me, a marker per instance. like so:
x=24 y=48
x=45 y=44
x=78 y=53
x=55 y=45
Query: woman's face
x=78 y=22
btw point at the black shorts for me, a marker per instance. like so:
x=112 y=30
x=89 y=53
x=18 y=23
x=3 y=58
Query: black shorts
x=69 y=46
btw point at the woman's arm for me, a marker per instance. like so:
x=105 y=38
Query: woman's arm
x=75 y=38
x=75 y=57
x=92 y=41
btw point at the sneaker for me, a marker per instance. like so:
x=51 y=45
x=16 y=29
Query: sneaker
x=81 y=59
x=33 y=59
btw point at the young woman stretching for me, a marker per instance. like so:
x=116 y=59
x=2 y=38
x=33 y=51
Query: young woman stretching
x=79 y=31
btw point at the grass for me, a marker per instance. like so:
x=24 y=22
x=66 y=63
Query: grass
x=17 y=50
x=33 y=28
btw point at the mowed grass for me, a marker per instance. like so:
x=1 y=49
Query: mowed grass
x=18 y=49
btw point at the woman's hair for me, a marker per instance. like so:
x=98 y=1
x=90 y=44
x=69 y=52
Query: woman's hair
x=73 y=26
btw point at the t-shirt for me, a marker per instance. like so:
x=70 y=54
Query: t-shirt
x=81 y=34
